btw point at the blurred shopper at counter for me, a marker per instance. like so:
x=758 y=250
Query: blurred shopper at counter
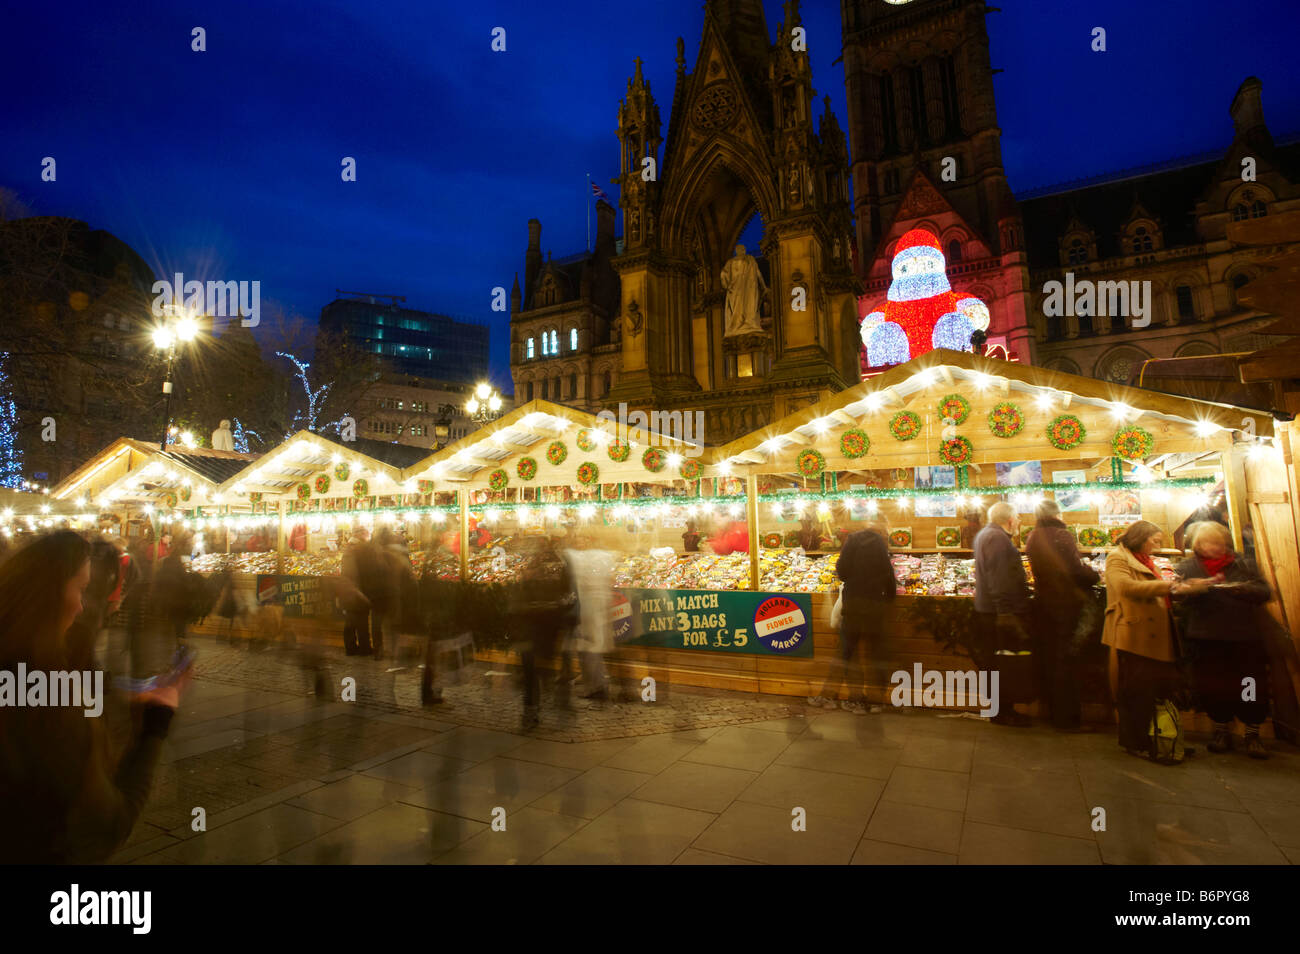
x=1002 y=601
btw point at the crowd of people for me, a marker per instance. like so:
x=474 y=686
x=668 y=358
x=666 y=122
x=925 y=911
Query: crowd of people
x=1202 y=639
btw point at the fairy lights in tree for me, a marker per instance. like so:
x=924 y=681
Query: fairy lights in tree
x=11 y=456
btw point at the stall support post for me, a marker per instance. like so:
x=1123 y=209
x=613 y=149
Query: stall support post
x=279 y=537
x=1234 y=490
x=463 y=496
x=751 y=519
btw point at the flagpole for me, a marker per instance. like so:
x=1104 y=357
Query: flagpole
x=589 y=212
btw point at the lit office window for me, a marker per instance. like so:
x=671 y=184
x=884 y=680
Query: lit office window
x=555 y=342
x=530 y=348
x=573 y=339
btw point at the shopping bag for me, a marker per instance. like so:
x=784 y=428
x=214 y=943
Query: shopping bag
x=837 y=611
x=1166 y=733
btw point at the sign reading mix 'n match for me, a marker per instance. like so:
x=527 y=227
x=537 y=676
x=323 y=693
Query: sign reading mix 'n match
x=761 y=624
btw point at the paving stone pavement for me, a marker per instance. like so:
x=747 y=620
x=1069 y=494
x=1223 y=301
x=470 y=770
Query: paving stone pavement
x=285 y=777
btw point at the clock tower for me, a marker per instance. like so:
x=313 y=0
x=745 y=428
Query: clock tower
x=925 y=153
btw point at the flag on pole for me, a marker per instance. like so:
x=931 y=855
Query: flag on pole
x=598 y=193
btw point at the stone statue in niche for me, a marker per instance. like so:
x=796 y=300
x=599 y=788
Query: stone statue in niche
x=794 y=183
x=634 y=318
x=222 y=439
x=745 y=289
x=635 y=225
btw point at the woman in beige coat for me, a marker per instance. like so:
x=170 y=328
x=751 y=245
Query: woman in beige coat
x=1139 y=630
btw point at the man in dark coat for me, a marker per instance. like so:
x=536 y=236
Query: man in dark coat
x=1001 y=599
x=1062 y=588
x=866 y=613
x=543 y=604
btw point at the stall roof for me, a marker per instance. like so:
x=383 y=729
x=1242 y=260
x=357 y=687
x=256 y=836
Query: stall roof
x=277 y=473
x=894 y=390
x=523 y=431
x=127 y=468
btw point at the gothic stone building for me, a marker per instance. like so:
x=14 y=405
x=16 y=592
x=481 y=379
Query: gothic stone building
x=920 y=92
x=743 y=138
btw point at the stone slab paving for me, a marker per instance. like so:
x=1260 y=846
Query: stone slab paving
x=289 y=777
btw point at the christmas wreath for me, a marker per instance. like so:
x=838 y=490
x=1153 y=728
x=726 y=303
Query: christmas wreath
x=584 y=441
x=255 y=498
x=618 y=451
x=771 y=540
x=185 y=493
x=304 y=491
x=360 y=488
x=556 y=452
x=526 y=468
x=1066 y=432
x=322 y=483
x=810 y=463
x=653 y=460
x=1132 y=442
x=949 y=537
x=498 y=479
x=854 y=443
x=954 y=408
x=424 y=486
x=588 y=473
x=792 y=538
x=900 y=538
x=342 y=471
x=956 y=451
x=170 y=500
x=690 y=469
x=1006 y=420
x=904 y=426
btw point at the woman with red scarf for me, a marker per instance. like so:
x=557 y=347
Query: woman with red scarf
x=1139 y=628
x=1224 y=640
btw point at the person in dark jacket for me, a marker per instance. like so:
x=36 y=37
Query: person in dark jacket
x=63 y=798
x=543 y=605
x=1062 y=589
x=1002 y=598
x=1222 y=637
x=364 y=568
x=866 y=613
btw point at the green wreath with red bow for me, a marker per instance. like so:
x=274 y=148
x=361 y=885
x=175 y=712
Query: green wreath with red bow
x=588 y=473
x=342 y=471
x=653 y=460
x=1132 y=442
x=618 y=451
x=498 y=479
x=304 y=491
x=1006 y=419
x=690 y=469
x=1066 y=432
x=956 y=451
x=322 y=483
x=360 y=488
x=905 y=426
x=954 y=408
x=556 y=452
x=854 y=443
x=810 y=463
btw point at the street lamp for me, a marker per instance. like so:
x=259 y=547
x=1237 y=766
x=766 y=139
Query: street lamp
x=485 y=405
x=178 y=325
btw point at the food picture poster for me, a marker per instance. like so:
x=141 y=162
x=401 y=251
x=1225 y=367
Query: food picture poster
x=1120 y=506
x=928 y=478
x=1071 y=501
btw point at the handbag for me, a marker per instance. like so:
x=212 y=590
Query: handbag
x=837 y=611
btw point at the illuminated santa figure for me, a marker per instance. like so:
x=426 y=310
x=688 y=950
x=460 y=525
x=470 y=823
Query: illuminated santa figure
x=922 y=311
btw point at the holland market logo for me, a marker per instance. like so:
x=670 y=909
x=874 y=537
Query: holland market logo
x=780 y=625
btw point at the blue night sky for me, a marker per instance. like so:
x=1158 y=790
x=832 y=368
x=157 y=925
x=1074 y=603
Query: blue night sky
x=225 y=164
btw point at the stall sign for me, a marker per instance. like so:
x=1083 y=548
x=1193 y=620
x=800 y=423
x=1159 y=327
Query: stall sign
x=303 y=597
x=758 y=624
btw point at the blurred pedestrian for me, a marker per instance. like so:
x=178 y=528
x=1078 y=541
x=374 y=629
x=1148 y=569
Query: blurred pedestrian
x=360 y=576
x=63 y=798
x=1062 y=591
x=866 y=615
x=1224 y=641
x=543 y=604
x=593 y=574
x=1002 y=606
x=1139 y=629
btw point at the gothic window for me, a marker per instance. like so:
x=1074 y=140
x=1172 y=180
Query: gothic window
x=1078 y=252
x=888 y=113
x=954 y=251
x=573 y=339
x=948 y=85
x=528 y=353
x=1141 y=240
x=1186 y=308
x=1239 y=212
x=1257 y=210
x=555 y=341
x=919 y=125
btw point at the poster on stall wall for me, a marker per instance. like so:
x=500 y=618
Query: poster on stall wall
x=755 y=624
x=931 y=478
x=1120 y=507
x=1017 y=473
x=1071 y=501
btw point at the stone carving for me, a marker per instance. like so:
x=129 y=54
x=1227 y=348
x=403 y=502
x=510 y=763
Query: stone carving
x=634 y=318
x=715 y=107
x=745 y=289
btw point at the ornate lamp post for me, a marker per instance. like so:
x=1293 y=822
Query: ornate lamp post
x=178 y=326
x=442 y=426
x=485 y=405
